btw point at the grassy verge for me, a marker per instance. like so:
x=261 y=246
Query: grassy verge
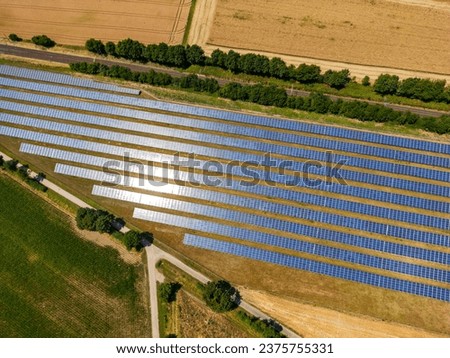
x=56 y=285
x=239 y=318
x=189 y=22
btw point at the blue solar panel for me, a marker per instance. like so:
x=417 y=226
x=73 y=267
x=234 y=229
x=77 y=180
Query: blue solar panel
x=274 y=123
x=221 y=127
x=223 y=154
x=256 y=204
x=62 y=79
x=318 y=267
x=271 y=223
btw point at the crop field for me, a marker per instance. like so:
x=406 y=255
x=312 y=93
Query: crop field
x=55 y=284
x=72 y=23
x=46 y=125
x=409 y=35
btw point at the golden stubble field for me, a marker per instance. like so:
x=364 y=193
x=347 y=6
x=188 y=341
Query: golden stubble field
x=72 y=23
x=406 y=34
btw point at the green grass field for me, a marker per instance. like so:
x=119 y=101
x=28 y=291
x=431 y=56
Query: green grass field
x=55 y=284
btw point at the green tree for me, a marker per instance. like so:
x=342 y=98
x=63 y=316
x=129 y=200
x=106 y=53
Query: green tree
x=43 y=40
x=337 y=79
x=220 y=296
x=110 y=48
x=95 y=46
x=195 y=55
x=15 y=38
x=365 y=81
x=23 y=171
x=307 y=73
x=386 y=84
x=132 y=240
x=11 y=165
x=278 y=68
x=130 y=49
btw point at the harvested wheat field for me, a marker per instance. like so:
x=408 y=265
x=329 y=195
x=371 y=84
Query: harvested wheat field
x=318 y=322
x=411 y=35
x=69 y=22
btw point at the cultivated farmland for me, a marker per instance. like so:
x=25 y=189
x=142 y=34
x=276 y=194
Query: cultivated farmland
x=72 y=23
x=55 y=284
x=375 y=33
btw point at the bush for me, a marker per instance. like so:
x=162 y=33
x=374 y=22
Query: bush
x=220 y=296
x=110 y=48
x=23 y=171
x=168 y=291
x=43 y=40
x=2 y=161
x=15 y=38
x=386 y=84
x=267 y=329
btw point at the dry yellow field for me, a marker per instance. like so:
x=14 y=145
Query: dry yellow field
x=69 y=22
x=406 y=34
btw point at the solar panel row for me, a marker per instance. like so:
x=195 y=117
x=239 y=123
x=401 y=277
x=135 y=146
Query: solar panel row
x=149 y=172
x=397 y=249
x=268 y=191
x=314 y=266
x=298 y=126
x=226 y=128
x=139 y=102
x=233 y=156
x=277 y=241
x=62 y=79
x=267 y=222
x=320 y=201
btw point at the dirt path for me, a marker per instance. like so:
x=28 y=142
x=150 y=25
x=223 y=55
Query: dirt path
x=318 y=322
x=202 y=22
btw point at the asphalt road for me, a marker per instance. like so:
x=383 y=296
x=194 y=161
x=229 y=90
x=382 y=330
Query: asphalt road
x=64 y=58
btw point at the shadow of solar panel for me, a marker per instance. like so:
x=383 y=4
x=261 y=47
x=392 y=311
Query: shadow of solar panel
x=318 y=267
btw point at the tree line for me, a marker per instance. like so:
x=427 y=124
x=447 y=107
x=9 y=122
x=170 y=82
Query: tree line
x=417 y=88
x=24 y=173
x=273 y=96
x=185 y=56
x=260 y=65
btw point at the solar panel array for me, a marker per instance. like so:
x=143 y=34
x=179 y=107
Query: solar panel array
x=227 y=128
x=301 y=226
x=236 y=156
x=318 y=267
x=353 y=240
x=295 y=212
x=60 y=78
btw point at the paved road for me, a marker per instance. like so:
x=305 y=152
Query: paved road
x=154 y=254
x=64 y=58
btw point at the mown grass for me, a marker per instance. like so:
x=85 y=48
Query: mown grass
x=53 y=283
